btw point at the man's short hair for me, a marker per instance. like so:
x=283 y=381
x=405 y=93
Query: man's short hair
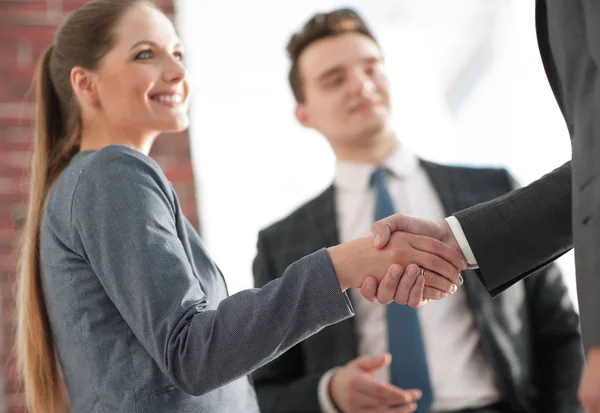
x=320 y=26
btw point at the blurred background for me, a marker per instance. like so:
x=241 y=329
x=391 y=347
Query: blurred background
x=468 y=87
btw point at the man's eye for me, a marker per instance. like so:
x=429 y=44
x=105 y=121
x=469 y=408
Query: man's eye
x=336 y=81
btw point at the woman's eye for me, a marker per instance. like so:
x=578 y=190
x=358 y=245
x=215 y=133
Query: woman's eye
x=178 y=55
x=143 y=55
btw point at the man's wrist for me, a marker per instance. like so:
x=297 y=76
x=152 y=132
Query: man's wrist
x=325 y=400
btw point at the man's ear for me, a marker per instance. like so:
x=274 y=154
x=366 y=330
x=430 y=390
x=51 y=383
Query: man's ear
x=303 y=116
x=82 y=81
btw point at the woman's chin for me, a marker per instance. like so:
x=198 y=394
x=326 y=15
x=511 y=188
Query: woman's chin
x=176 y=125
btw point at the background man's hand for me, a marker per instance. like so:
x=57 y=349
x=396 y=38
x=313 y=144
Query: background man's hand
x=354 y=389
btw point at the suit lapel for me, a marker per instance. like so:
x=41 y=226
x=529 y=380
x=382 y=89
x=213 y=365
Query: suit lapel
x=445 y=185
x=325 y=218
x=454 y=196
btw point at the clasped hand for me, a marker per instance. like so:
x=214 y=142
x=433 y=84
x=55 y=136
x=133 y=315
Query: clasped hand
x=397 y=265
x=435 y=276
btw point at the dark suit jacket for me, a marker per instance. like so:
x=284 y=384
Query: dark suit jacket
x=530 y=334
x=513 y=236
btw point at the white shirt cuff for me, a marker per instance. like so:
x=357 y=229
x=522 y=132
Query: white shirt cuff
x=327 y=405
x=459 y=234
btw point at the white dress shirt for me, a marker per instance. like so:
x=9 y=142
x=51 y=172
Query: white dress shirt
x=461 y=238
x=460 y=375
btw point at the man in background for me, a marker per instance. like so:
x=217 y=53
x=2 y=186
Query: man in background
x=521 y=352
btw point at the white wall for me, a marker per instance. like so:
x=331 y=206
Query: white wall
x=254 y=163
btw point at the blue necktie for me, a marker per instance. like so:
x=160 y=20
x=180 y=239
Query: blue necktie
x=409 y=365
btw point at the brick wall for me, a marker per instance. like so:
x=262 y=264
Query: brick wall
x=26 y=28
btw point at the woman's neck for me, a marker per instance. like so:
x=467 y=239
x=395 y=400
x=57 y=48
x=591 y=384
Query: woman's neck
x=98 y=138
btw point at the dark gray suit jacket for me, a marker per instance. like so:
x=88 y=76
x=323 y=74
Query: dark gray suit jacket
x=530 y=334
x=514 y=235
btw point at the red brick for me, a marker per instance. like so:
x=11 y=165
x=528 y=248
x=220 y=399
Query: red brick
x=9 y=328
x=7 y=228
x=8 y=293
x=12 y=385
x=16 y=159
x=15 y=402
x=175 y=173
x=171 y=144
x=70 y=5
x=15 y=145
x=9 y=7
x=39 y=36
x=8 y=261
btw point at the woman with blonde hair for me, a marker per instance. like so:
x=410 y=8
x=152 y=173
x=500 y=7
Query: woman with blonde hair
x=115 y=286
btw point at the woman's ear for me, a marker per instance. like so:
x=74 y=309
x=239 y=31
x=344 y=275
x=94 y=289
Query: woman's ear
x=84 y=87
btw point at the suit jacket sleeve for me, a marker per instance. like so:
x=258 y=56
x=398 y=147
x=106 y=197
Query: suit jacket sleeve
x=282 y=385
x=514 y=235
x=124 y=221
x=558 y=357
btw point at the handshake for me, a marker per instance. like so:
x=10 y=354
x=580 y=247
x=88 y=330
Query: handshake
x=408 y=260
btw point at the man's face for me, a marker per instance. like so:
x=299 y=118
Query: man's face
x=345 y=88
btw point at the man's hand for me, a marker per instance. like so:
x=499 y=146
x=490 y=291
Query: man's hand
x=354 y=389
x=589 y=389
x=403 y=287
x=440 y=230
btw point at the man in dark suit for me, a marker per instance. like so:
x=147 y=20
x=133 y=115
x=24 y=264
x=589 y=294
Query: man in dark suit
x=511 y=237
x=520 y=353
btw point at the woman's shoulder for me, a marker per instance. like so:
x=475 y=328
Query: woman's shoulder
x=115 y=163
x=105 y=179
x=116 y=168
x=118 y=156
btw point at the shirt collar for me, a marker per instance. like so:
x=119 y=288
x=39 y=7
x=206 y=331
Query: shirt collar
x=355 y=176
